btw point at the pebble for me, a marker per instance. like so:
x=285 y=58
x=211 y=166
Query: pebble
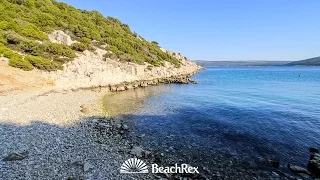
x=85 y=110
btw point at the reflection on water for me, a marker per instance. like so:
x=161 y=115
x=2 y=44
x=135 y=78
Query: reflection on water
x=127 y=102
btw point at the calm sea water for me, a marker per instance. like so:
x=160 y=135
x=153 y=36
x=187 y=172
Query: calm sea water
x=246 y=112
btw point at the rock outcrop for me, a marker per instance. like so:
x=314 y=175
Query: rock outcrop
x=60 y=37
x=91 y=69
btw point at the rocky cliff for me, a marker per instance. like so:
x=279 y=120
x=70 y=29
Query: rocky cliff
x=92 y=69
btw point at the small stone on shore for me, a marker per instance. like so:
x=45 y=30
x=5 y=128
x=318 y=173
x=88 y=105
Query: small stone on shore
x=84 y=110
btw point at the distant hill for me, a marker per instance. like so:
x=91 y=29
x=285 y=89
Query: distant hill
x=240 y=63
x=307 y=62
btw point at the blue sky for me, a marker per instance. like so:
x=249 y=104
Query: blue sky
x=222 y=29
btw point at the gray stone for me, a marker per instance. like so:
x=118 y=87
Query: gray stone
x=16 y=157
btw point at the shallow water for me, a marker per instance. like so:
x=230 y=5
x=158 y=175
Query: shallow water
x=250 y=113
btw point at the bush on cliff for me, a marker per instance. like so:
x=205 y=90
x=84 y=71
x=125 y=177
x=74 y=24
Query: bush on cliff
x=42 y=63
x=21 y=63
x=15 y=59
x=59 y=49
x=79 y=46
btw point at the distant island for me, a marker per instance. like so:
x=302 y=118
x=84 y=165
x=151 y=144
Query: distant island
x=307 y=62
x=240 y=63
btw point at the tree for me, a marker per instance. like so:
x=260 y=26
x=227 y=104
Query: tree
x=155 y=42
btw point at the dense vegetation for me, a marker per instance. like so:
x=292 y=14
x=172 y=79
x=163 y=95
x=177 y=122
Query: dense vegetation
x=307 y=62
x=25 y=23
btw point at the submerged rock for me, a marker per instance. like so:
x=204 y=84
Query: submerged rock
x=313 y=150
x=16 y=156
x=314 y=165
x=297 y=169
x=274 y=163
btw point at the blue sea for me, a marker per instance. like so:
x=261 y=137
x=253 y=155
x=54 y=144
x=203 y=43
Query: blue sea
x=250 y=114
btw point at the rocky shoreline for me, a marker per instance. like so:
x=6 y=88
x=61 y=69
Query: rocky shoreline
x=180 y=79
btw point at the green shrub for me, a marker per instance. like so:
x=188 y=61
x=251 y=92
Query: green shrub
x=3 y=40
x=155 y=42
x=79 y=47
x=62 y=60
x=42 y=63
x=30 y=47
x=110 y=56
x=59 y=49
x=9 y=53
x=113 y=49
x=149 y=67
x=85 y=40
x=33 y=32
x=13 y=38
x=16 y=60
x=20 y=63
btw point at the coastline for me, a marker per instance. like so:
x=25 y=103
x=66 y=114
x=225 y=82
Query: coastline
x=50 y=126
x=61 y=141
